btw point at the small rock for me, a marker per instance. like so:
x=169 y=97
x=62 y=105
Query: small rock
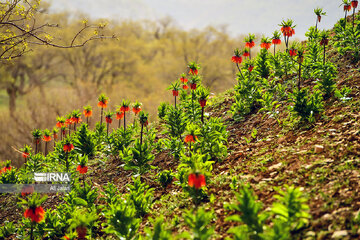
x=310 y=234
x=319 y=148
x=327 y=217
x=275 y=167
x=273 y=174
x=339 y=234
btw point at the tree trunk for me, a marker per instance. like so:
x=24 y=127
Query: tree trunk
x=12 y=100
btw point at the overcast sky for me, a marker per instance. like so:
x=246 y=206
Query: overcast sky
x=241 y=16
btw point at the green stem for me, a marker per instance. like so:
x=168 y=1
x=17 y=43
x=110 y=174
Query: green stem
x=202 y=115
x=299 y=82
x=324 y=53
x=141 y=134
x=32 y=231
x=124 y=121
x=237 y=65
x=101 y=115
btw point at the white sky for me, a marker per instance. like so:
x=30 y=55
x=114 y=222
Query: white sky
x=241 y=16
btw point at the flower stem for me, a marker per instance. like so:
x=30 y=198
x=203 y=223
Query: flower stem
x=32 y=231
x=353 y=18
x=119 y=123
x=299 y=82
x=124 y=121
x=46 y=143
x=141 y=133
x=237 y=65
x=324 y=53
x=107 y=129
x=345 y=19
x=175 y=101
x=202 y=115
x=274 y=49
x=101 y=115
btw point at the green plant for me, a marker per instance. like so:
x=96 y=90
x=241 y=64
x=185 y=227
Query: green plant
x=250 y=213
x=120 y=139
x=291 y=207
x=159 y=231
x=306 y=105
x=347 y=40
x=326 y=73
x=35 y=163
x=83 y=221
x=198 y=221
x=213 y=141
x=247 y=94
x=138 y=158
x=141 y=196
x=262 y=64
x=175 y=122
x=121 y=220
x=84 y=142
x=165 y=178
x=162 y=110
x=175 y=146
x=7 y=230
x=110 y=191
x=86 y=192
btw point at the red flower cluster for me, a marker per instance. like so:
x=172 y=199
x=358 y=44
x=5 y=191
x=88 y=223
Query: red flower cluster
x=347 y=7
x=68 y=147
x=82 y=169
x=250 y=44
x=293 y=52
x=193 y=71
x=124 y=108
x=354 y=3
x=246 y=54
x=88 y=113
x=25 y=154
x=175 y=93
x=193 y=86
x=76 y=120
x=136 y=110
x=287 y=31
x=108 y=119
x=60 y=124
x=250 y=68
x=276 y=41
x=202 y=102
x=265 y=45
x=120 y=115
x=185 y=86
x=103 y=104
x=324 y=42
x=35 y=214
x=196 y=180
x=4 y=169
x=47 y=138
x=236 y=59
x=190 y=138
x=183 y=80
